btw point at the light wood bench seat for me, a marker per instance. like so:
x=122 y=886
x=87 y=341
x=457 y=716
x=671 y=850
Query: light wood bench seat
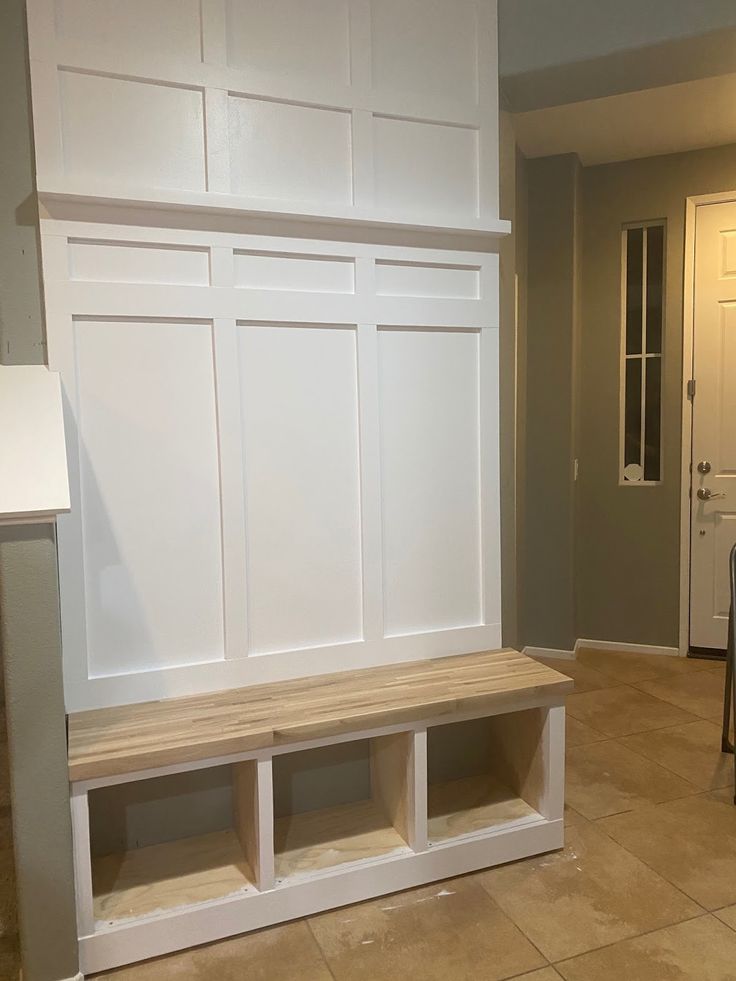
x=130 y=738
x=320 y=792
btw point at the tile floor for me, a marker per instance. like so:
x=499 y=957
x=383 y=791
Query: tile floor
x=644 y=890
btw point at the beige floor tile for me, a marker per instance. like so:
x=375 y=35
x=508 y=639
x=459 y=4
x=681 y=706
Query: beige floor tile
x=280 y=953
x=701 y=693
x=693 y=751
x=545 y=974
x=585 y=677
x=631 y=668
x=578 y=734
x=623 y=710
x=727 y=915
x=591 y=893
x=724 y=794
x=690 y=842
x=699 y=950
x=448 y=930
x=606 y=778
x=268 y=955
x=176 y=967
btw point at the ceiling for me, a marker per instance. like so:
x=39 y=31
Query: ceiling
x=668 y=119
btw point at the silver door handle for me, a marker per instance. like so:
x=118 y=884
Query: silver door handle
x=706 y=494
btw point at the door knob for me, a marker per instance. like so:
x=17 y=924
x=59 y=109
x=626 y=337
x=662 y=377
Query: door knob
x=704 y=466
x=706 y=494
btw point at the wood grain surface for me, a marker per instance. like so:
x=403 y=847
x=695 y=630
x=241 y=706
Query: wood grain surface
x=128 y=738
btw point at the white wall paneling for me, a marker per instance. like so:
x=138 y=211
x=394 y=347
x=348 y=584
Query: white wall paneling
x=373 y=110
x=301 y=452
x=283 y=456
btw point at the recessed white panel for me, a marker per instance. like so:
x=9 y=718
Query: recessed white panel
x=305 y=273
x=426 y=46
x=429 y=423
x=425 y=167
x=302 y=486
x=728 y=254
x=724 y=530
x=166 y=28
x=132 y=133
x=726 y=425
x=291 y=38
x=120 y=262
x=149 y=494
x=287 y=151
x=417 y=279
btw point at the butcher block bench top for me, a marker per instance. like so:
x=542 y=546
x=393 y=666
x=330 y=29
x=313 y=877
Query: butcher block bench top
x=128 y=738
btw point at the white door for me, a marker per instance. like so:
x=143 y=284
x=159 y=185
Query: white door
x=713 y=498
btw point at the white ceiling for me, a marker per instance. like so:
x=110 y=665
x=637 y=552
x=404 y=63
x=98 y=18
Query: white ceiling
x=669 y=119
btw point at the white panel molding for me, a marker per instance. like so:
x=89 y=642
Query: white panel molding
x=198 y=272
x=211 y=65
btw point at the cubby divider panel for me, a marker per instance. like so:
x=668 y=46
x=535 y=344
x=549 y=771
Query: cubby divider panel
x=173 y=841
x=485 y=773
x=346 y=803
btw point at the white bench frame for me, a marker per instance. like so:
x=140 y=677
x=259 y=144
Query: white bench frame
x=104 y=946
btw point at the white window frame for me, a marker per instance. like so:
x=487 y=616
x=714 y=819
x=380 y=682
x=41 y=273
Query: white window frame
x=644 y=356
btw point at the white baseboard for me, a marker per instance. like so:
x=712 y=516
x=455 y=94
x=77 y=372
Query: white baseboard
x=550 y=652
x=600 y=645
x=613 y=645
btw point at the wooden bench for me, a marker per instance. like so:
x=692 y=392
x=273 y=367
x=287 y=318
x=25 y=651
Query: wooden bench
x=457 y=762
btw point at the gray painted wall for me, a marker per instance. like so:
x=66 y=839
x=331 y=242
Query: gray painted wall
x=573 y=50
x=628 y=537
x=538 y=34
x=29 y=637
x=546 y=538
x=596 y=560
x=29 y=624
x=21 y=336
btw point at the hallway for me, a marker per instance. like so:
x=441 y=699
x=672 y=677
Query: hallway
x=644 y=888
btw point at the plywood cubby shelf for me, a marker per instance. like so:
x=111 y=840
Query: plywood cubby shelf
x=199 y=818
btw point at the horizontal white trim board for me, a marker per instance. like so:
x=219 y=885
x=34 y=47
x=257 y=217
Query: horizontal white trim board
x=615 y=645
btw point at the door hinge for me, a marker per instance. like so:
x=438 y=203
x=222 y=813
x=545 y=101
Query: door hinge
x=691 y=389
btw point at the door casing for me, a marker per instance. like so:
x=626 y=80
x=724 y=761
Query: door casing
x=688 y=349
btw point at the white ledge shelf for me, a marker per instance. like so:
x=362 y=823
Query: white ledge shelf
x=229 y=205
x=33 y=473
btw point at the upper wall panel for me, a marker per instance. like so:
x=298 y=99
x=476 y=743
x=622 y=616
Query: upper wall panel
x=382 y=111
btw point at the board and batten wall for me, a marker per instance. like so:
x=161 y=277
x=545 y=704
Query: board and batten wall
x=329 y=494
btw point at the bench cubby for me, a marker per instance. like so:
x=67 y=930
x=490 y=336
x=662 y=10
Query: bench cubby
x=152 y=849
x=199 y=818
x=485 y=773
x=330 y=829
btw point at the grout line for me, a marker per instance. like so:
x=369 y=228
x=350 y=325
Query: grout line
x=636 y=936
